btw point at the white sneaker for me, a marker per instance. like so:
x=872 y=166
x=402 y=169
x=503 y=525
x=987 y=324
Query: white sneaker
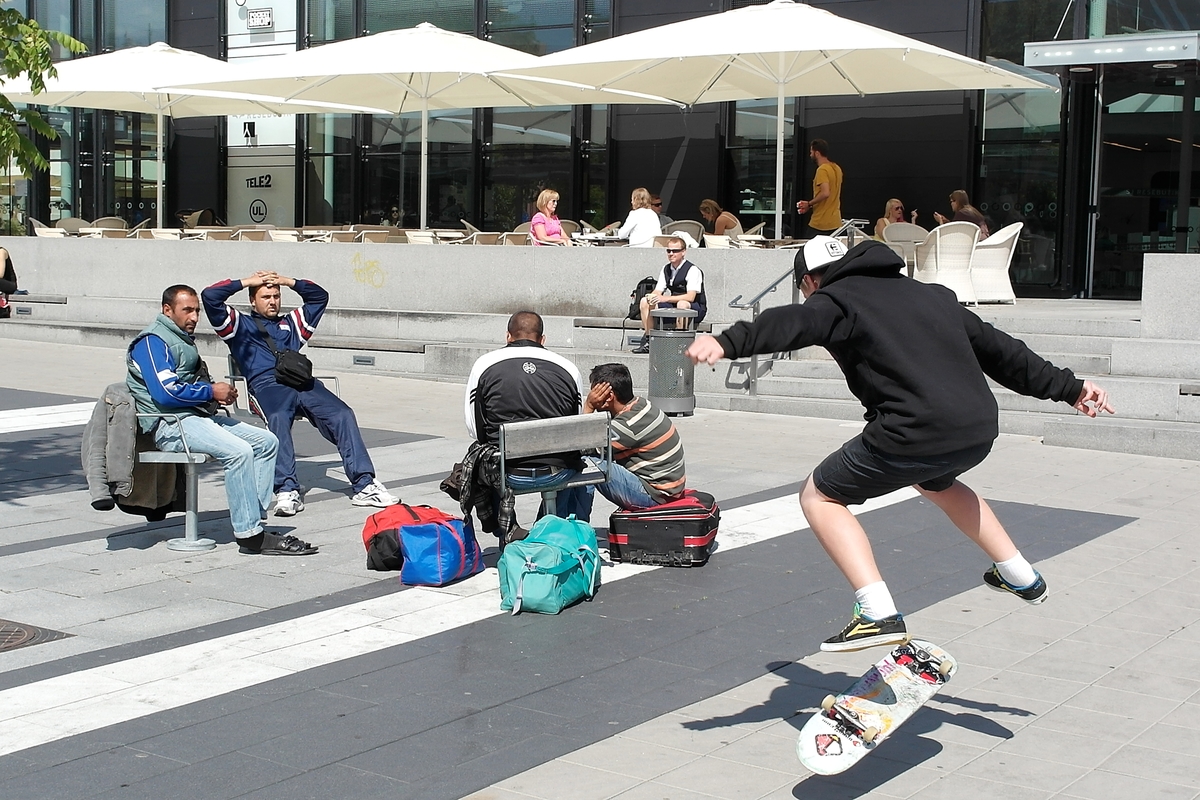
x=375 y=494
x=288 y=504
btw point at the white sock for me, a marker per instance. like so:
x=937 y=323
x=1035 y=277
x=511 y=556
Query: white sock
x=1017 y=571
x=875 y=601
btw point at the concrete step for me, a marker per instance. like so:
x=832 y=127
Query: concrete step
x=1066 y=343
x=812 y=388
x=1141 y=437
x=1064 y=323
x=1134 y=398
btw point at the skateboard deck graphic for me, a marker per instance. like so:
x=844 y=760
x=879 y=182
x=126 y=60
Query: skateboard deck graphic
x=858 y=720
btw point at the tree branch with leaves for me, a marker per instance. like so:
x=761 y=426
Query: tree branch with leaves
x=26 y=49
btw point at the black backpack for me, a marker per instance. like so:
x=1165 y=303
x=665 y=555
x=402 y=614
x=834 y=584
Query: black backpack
x=644 y=287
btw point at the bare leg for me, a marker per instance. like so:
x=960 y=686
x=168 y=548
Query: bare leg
x=840 y=533
x=971 y=514
x=645 y=308
x=681 y=323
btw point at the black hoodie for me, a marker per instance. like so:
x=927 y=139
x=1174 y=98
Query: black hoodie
x=912 y=355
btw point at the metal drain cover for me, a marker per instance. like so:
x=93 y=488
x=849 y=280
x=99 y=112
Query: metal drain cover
x=18 y=634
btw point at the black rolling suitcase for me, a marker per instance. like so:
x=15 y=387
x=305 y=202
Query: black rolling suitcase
x=681 y=533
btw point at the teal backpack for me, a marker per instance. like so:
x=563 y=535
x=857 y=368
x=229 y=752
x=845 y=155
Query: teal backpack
x=556 y=565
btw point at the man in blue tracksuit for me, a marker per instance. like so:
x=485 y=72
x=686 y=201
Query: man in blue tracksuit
x=168 y=379
x=245 y=334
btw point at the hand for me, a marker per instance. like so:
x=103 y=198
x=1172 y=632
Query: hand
x=224 y=394
x=802 y=206
x=653 y=299
x=705 y=350
x=1092 y=400
x=913 y=216
x=598 y=397
x=941 y=219
x=257 y=279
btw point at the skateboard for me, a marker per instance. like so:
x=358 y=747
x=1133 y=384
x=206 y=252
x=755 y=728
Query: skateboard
x=859 y=719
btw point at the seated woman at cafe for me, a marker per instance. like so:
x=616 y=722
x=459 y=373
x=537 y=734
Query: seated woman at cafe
x=892 y=212
x=723 y=223
x=960 y=204
x=544 y=228
x=641 y=226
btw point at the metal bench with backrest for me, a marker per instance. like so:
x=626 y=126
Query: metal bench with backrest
x=191 y=541
x=543 y=437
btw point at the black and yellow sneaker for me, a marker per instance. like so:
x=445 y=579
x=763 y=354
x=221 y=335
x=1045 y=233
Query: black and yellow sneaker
x=1033 y=594
x=862 y=633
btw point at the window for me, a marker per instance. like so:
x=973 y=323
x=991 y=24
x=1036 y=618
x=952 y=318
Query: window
x=330 y=21
x=132 y=23
x=450 y=15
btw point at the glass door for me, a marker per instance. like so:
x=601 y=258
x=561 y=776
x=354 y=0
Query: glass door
x=1142 y=120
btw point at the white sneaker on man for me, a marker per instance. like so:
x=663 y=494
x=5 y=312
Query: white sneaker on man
x=375 y=494
x=288 y=504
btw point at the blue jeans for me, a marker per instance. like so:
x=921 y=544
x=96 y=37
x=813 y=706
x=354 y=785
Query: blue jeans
x=577 y=501
x=246 y=452
x=334 y=420
x=623 y=489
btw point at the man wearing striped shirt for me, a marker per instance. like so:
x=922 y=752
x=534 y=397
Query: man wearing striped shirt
x=647 y=452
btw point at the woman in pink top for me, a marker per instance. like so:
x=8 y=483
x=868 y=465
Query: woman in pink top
x=545 y=227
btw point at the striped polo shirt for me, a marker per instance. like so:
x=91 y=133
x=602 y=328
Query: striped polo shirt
x=647 y=444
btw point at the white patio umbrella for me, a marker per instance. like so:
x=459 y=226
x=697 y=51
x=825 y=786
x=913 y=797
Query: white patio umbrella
x=126 y=80
x=413 y=69
x=781 y=49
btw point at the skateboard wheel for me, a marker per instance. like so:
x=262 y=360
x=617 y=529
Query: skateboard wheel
x=869 y=734
x=828 y=702
x=944 y=668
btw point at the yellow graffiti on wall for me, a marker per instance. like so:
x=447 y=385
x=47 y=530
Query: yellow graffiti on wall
x=368 y=271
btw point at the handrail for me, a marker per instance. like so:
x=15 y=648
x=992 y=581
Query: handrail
x=754 y=306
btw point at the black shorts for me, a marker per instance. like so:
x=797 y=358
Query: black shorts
x=859 y=472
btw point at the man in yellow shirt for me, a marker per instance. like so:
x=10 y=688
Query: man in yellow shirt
x=826 y=203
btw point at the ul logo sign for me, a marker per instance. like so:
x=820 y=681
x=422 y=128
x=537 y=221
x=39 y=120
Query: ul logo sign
x=258 y=210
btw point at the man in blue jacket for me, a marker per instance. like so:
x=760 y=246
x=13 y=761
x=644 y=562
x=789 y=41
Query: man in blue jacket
x=246 y=336
x=167 y=376
x=919 y=363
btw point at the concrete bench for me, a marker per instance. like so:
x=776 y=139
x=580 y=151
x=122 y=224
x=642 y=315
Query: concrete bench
x=20 y=301
x=377 y=345
x=191 y=541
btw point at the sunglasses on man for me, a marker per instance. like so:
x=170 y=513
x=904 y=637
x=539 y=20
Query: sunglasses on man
x=674 y=249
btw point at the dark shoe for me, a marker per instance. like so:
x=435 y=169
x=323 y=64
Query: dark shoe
x=642 y=349
x=276 y=545
x=1033 y=594
x=862 y=633
x=250 y=545
x=515 y=534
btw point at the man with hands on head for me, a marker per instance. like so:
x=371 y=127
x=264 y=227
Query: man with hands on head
x=166 y=376
x=246 y=335
x=919 y=362
x=648 y=467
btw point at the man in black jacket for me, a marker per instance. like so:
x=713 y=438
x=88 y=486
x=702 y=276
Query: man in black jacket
x=525 y=381
x=919 y=363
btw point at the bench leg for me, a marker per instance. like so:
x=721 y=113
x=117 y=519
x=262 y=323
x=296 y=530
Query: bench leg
x=191 y=540
x=550 y=499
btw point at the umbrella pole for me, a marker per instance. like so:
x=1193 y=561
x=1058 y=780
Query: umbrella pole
x=779 y=163
x=424 y=163
x=161 y=171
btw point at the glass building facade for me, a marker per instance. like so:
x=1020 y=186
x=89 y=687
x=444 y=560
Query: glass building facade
x=1090 y=165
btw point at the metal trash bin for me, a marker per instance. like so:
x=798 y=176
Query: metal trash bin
x=672 y=374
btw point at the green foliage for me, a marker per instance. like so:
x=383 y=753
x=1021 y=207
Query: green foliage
x=26 y=49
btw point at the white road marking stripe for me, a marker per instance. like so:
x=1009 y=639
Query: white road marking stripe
x=49 y=710
x=36 y=419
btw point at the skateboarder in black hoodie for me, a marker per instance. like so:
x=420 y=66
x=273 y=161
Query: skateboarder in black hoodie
x=919 y=362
